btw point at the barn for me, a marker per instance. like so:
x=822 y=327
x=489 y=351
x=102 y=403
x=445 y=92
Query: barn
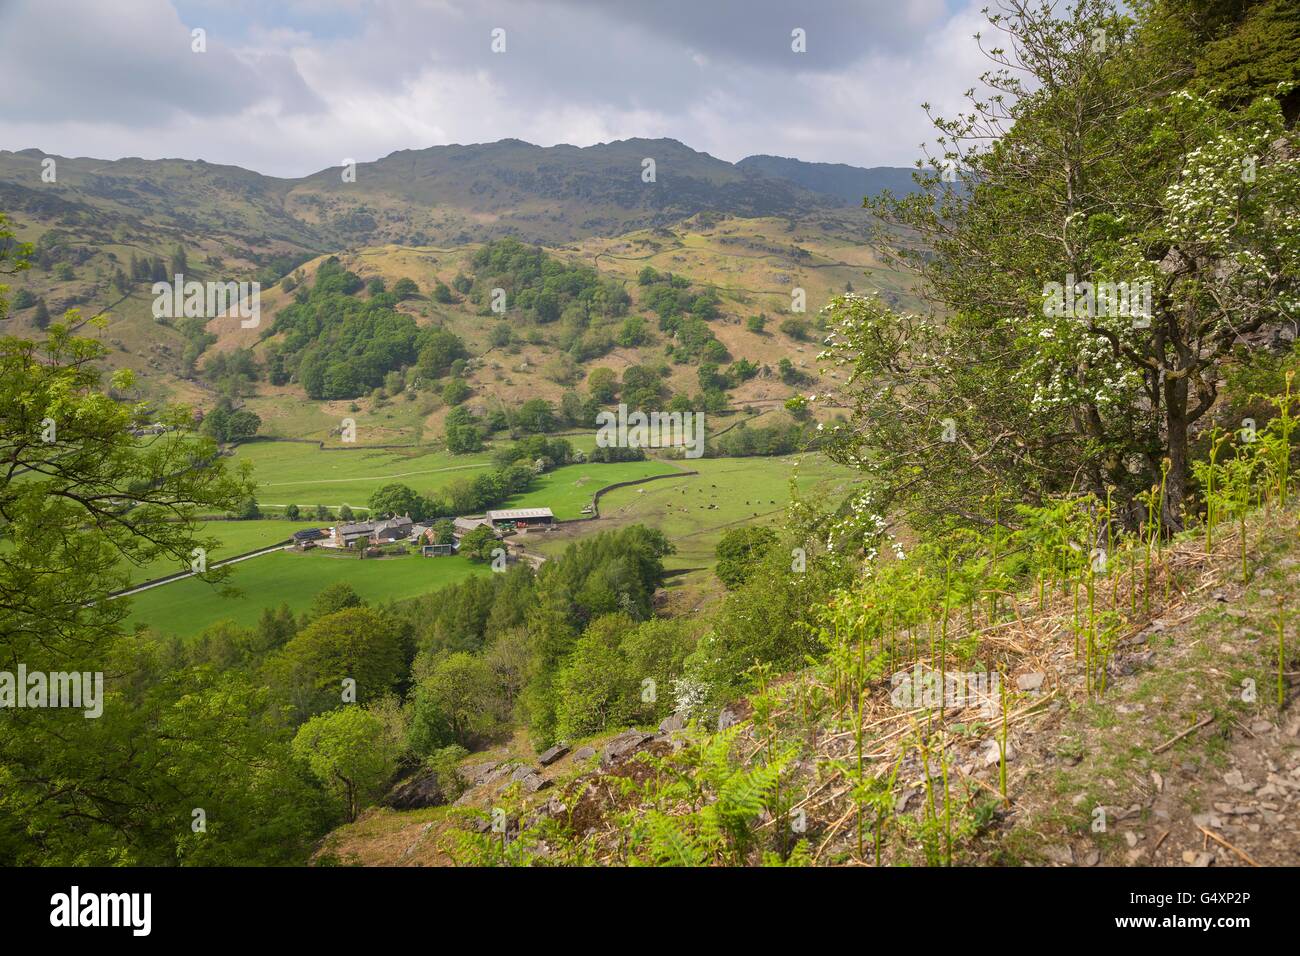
x=520 y=518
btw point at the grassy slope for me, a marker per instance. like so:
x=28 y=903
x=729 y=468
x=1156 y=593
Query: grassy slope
x=303 y=474
x=694 y=510
x=1227 y=793
x=567 y=489
x=186 y=607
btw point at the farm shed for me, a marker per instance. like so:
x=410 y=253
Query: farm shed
x=521 y=517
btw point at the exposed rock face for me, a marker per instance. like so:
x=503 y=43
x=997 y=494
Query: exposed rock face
x=422 y=790
x=727 y=718
x=475 y=774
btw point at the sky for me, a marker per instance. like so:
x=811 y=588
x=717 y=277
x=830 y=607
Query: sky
x=292 y=87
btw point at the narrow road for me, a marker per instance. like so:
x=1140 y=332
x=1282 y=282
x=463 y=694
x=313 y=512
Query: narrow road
x=189 y=574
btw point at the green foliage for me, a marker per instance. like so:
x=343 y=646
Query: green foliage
x=541 y=286
x=745 y=440
x=1042 y=399
x=400 y=500
x=355 y=644
x=349 y=751
x=226 y=424
x=456 y=391
x=479 y=543
x=455 y=703
x=740 y=551
x=725 y=799
x=343 y=346
x=602 y=383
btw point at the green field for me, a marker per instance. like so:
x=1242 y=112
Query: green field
x=302 y=474
x=237 y=537
x=187 y=607
x=694 y=510
x=568 y=488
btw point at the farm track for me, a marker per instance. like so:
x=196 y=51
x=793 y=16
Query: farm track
x=169 y=579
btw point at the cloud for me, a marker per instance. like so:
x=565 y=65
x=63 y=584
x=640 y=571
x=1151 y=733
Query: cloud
x=290 y=89
x=132 y=65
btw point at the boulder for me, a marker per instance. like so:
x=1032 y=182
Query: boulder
x=623 y=746
x=475 y=774
x=584 y=753
x=550 y=756
x=673 y=722
x=534 y=782
x=727 y=718
x=1030 y=682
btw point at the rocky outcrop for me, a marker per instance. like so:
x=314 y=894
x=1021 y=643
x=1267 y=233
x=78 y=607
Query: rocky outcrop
x=623 y=746
x=422 y=790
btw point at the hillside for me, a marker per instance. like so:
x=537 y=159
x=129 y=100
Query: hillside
x=1184 y=758
x=105 y=230
x=846 y=183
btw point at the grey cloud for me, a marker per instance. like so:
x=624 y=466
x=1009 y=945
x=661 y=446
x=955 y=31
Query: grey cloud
x=130 y=63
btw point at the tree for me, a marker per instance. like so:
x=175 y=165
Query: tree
x=291 y=512
x=397 y=499
x=405 y=289
x=797 y=329
x=739 y=551
x=454 y=704
x=535 y=415
x=41 y=317
x=756 y=323
x=602 y=383
x=350 y=752
x=354 y=645
x=594 y=690
x=70 y=534
x=633 y=332
x=456 y=391
x=442 y=293
x=478 y=543
x=338 y=596
x=1087 y=167
x=463 y=439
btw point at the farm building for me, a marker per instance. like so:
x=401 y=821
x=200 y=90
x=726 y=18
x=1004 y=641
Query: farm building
x=520 y=518
x=308 y=537
x=342 y=535
x=465 y=525
x=437 y=550
x=393 y=529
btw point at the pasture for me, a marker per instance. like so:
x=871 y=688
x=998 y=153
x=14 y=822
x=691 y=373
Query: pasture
x=303 y=474
x=568 y=488
x=186 y=607
x=236 y=537
x=694 y=510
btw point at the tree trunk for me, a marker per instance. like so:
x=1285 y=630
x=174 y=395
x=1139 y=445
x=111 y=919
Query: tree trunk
x=1176 y=428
